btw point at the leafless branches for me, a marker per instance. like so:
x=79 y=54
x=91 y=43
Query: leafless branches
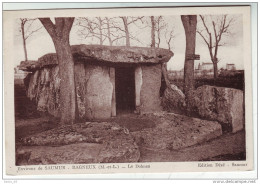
x=27 y=31
x=92 y=28
x=212 y=33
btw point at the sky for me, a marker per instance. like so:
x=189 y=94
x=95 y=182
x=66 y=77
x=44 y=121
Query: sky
x=40 y=42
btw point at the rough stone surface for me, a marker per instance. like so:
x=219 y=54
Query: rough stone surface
x=93 y=86
x=174 y=132
x=98 y=94
x=91 y=142
x=150 y=89
x=173 y=99
x=43 y=88
x=111 y=54
x=121 y=54
x=224 y=105
x=80 y=88
x=44 y=61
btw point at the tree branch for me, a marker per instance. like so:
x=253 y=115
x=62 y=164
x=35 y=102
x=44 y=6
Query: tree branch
x=49 y=26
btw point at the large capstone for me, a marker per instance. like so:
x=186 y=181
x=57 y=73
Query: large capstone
x=224 y=105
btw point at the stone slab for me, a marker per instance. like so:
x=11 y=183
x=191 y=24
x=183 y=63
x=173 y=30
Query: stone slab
x=98 y=92
x=90 y=142
x=173 y=131
x=102 y=53
x=150 y=89
x=224 y=105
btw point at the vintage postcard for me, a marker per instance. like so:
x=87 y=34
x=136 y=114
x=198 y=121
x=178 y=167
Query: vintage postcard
x=127 y=90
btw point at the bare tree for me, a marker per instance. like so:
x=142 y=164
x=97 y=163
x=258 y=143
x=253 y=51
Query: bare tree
x=100 y=28
x=112 y=31
x=157 y=27
x=92 y=28
x=27 y=30
x=169 y=36
x=212 y=34
x=160 y=25
x=190 y=24
x=128 y=21
x=59 y=33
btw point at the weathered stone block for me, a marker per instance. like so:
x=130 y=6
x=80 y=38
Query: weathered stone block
x=224 y=105
x=80 y=88
x=150 y=89
x=173 y=99
x=98 y=92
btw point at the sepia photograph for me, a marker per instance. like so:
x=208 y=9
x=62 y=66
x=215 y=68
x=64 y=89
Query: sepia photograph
x=128 y=90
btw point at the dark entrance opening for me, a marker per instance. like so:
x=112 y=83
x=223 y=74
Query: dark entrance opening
x=125 y=89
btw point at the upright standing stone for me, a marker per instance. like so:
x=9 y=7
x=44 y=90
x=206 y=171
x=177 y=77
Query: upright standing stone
x=112 y=80
x=150 y=90
x=138 y=85
x=98 y=92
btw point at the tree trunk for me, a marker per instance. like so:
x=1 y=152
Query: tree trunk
x=24 y=42
x=153 y=32
x=215 y=66
x=190 y=24
x=59 y=33
x=127 y=36
x=67 y=84
x=100 y=31
x=108 y=33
